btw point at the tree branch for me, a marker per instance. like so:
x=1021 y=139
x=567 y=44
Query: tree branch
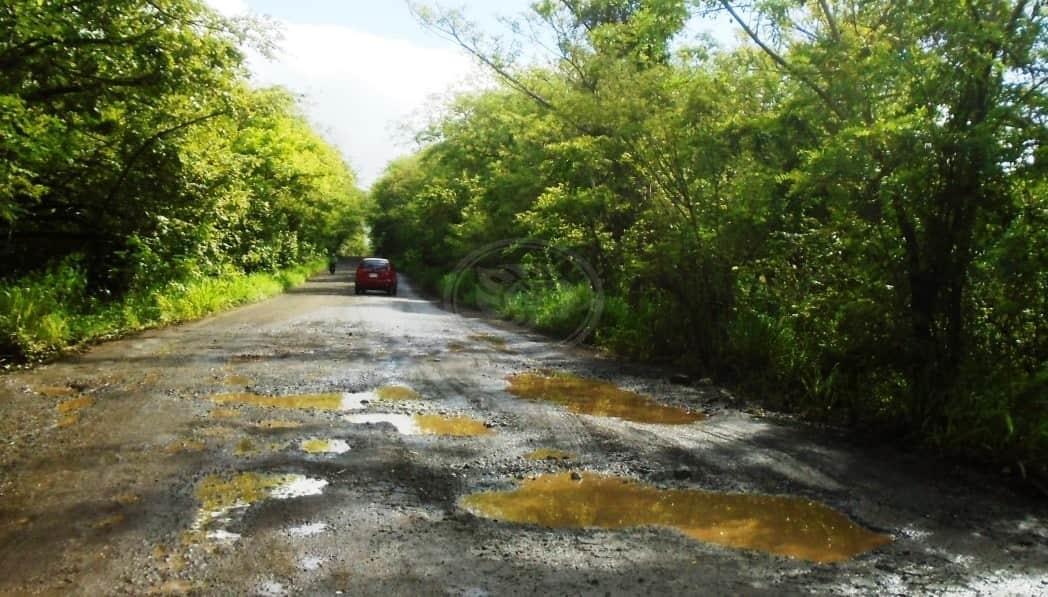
x=449 y=29
x=831 y=20
x=786 y=66
x=131 y=162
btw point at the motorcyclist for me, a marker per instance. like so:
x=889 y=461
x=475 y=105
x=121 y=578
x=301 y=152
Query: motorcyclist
x=332 y=262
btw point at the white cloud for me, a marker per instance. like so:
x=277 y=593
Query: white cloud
x=358 y=86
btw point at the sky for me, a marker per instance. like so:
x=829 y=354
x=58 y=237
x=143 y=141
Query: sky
x=367 y=72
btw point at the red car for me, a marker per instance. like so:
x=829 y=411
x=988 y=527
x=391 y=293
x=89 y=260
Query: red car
x=376 y=274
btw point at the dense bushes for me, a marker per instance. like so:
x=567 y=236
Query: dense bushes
x=846 y=216
x=48 y=311
x=142 y=179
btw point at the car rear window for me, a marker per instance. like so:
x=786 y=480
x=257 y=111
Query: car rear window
x=374 y=263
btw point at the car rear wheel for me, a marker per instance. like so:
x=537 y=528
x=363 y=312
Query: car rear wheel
x=393 y=291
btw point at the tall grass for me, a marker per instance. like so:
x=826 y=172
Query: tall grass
x=46 y=312
x=554 y=308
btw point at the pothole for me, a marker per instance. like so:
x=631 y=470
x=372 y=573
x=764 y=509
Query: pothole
x=425 y=424
x=347 y=401
x=324 y=446
x=596 y=397
x=70 y=410
x=277 y=424
x=780 y=525
x=55 y=391
x=330 y=402
x=235 y=379
x=453 y=426
x=396 y=392
x=248 y=447
x=220 y=496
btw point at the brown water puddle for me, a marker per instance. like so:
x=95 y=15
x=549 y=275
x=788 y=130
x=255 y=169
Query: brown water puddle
x=237 y=380
x=397 y=393
x=324 y=446
x=74 y=405
x=55 y=391
x=425 y=424
x=275 y=424
x=299 y=402
x=596 y=397
x=452 y=426
x=220 y=495
x=70 y=410
x=549 y=454
x=781 y=525
x=247 y=447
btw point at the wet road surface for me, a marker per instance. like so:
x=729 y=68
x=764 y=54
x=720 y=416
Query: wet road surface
x=322 y=442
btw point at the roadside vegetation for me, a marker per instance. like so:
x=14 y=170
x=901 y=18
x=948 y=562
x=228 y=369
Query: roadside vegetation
x=143 y=180
x=845 y=215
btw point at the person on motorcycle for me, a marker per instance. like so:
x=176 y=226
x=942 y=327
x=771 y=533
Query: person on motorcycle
x=332 y=262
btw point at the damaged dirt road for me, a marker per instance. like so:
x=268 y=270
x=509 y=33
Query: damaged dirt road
x=322 y=442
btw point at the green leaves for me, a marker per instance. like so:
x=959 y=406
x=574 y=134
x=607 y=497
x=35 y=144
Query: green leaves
x=129 y=136
x=846 y=211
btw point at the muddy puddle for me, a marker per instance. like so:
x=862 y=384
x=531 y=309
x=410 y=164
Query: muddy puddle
x=235 y=379
x=324 y=446
x=277 y=424
x=69 y=410
x=549 y=454
x=55 y=391
x=334 y=401
x=221 y=496
x=426 y=424
x=389 y=393
x=397 y=393
x=247 y=447
x=596 y=397
x=331 y=402
x=780 y=525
